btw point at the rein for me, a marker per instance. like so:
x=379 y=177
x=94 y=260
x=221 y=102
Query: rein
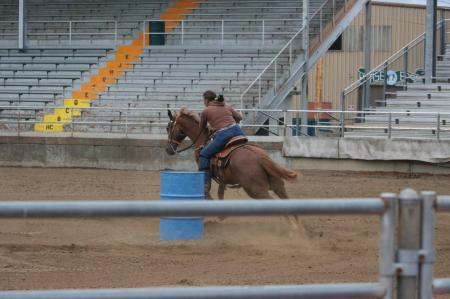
x=171 y=140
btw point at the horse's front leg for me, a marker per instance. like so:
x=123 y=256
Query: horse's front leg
x=221 y=191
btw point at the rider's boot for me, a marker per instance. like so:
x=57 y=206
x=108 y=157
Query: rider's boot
x=207 y=187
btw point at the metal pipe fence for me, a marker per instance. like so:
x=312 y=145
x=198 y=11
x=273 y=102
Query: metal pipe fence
x=129 y=120
x=383 y=206
x=407 y=263
x=348 y=291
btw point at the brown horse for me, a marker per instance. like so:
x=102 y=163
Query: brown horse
x=250 y=167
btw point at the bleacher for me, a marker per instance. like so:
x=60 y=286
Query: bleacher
x=413 y=112
x=177 y=74
x=78 y=23
x=219 y=45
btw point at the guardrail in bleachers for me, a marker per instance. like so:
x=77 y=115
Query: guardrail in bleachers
x=132 y=120
x=70 y=29
x=221 y=28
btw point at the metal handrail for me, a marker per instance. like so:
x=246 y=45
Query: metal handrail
x=288 y=44
x=127 y=119
x=219 y=20
x=388 y=61
x=270 y=64
x=221 y=27
x=122 y=109
x=70 y=33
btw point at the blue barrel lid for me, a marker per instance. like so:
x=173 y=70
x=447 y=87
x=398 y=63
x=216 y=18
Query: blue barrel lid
x=182 y=185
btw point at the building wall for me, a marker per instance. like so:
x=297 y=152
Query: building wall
x=340 y=68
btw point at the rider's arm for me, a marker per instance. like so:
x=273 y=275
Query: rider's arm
x=236 y=115
x=203 y=120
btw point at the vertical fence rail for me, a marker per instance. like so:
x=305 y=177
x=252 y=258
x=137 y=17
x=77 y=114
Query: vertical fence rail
x=70 y=32
x=409 y=244
x=427 y=256
x=387 y=244
x=263 y=30
x=115 y=33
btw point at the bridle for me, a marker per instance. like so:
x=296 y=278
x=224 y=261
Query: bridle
x=172 y=140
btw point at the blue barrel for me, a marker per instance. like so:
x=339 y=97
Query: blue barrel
x=181 y=185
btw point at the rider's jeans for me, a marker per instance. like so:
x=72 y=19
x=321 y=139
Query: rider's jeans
x=217 y=144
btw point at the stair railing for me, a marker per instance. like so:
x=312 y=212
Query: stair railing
x=409 y=60
x=279 y=69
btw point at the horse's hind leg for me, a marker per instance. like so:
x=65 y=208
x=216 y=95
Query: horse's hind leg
x=220 y=195
x=277 y=186
x=257 y=193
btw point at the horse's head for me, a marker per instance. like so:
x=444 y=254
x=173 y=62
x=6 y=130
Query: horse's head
x=175 y=134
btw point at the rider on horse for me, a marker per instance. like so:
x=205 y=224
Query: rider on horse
x=223 y=120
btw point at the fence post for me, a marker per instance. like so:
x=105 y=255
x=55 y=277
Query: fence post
x=427 y=256
x=70 y=32
x=223 y=25
x=290 y=57
x=387 y=244
x=126 y=122
x=342 y=114
x=334 y=12
x=18 y=121
x=405 y=67
x=408 y=245
x=259 y=91
x=390 y=125
x=442 y=35
x=438 y=126
x=263 y=32
x=72 y=121
x=144 y=35
x=275 y=75
x=385 y=70
x=115 y=33
x=182 y=32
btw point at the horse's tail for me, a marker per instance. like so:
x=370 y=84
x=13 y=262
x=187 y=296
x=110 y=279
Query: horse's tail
x=275 y=169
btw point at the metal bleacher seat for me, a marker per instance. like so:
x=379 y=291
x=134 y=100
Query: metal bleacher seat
x=412 y=113
x=173 y=74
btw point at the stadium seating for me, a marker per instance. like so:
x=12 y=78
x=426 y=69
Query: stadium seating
x=224 y=46
x=424 y=99
x=78 y=23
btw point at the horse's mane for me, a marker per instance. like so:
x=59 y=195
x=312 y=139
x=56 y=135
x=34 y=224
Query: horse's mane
x=192 y=114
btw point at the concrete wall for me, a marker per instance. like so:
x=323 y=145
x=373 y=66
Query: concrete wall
x=106 y=153
x=149 y=154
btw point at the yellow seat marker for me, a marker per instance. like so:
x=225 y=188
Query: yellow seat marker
x=49 y=127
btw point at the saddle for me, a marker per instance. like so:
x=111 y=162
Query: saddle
x=221 y=160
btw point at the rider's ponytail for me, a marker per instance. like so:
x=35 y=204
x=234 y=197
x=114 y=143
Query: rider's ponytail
x=220 y=98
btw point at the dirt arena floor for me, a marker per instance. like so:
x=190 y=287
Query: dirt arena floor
x=126 y=252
